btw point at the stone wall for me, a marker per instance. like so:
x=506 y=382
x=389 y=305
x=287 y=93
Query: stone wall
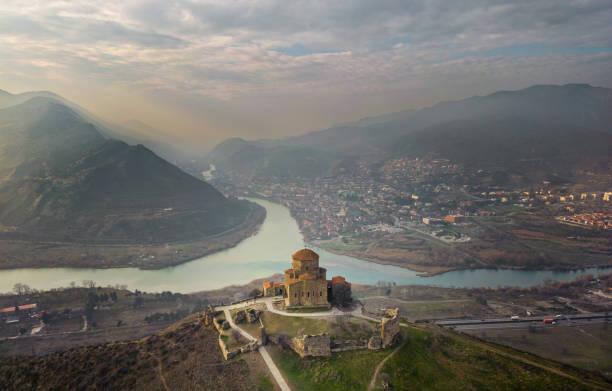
x=312 y=345
x=389 y=327
x=348 y=345
x=209 y=315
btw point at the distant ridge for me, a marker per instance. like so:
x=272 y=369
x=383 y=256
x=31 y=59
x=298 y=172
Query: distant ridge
x=569 y=125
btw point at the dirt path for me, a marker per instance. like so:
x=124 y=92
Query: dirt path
x=382 y=363
x=160 y=371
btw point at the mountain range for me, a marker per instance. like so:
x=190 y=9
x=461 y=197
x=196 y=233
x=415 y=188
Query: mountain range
x=63 y=179
x=560 y=127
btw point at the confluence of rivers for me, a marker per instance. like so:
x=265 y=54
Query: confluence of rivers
x=263 y=254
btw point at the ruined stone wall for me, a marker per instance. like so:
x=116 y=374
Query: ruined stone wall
x=389 y=327
x=312 y=345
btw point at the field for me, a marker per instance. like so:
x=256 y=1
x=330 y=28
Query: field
x=341 y=371
x=445 y=361
x=432 y=359
x=515 y=238
x=414 y=310
x=115 y=315
x=585 y=346
x=156 y=255
x=293 y=326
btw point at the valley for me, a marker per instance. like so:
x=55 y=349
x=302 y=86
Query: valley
x=449 y=187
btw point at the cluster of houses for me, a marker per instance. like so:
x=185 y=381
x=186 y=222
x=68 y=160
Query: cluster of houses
x=591 y=220
x=16 y=313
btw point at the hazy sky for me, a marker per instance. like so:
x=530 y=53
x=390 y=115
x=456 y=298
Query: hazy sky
x=206 y=70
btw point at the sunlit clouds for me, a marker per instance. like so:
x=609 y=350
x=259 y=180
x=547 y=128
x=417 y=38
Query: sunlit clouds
x=205 y=70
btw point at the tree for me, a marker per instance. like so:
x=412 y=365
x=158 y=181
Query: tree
x=46 y=318
x=113 y=296
x=21 y=289
x=88 y=284
x=138 y=301
x=254 y=293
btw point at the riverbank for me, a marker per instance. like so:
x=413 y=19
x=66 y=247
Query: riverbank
x=430 y=271
x=263 y=254
x=28 y=254
x=424 y=271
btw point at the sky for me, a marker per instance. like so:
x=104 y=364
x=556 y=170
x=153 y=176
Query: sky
x=202 y=71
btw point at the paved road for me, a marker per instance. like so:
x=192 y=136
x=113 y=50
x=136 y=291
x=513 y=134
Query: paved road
x=567 y=320
x=261 y=349
x=269 y=303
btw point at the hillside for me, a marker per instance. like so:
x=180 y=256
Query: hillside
x=61 y=180
x=132 y=132
x=185 y=356
x=541 y=122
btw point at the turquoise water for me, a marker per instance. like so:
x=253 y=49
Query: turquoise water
x=266 y=253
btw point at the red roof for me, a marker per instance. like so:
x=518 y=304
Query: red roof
x=339 y=280
x=21 y=307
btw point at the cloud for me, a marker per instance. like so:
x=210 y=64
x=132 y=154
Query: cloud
x=375 y=56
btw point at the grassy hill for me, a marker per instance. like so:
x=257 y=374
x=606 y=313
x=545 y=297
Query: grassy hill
x=435 y=359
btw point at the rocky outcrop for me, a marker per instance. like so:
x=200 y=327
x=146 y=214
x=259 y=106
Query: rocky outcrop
x=248 y=315
x=389 y=327
x=312 y=345
x=375 y=343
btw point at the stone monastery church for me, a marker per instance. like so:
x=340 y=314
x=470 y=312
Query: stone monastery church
x=306 y=284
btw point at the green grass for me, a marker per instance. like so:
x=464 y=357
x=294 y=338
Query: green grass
x=342 y=371
x=293 y=326
x=307 y=310
x=251 y=328
x=264 y=384
x=436 y=362
x=349 y=245
x=587 y=346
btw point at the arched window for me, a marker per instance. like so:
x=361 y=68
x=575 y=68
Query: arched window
x=307 y=294
x=320 y=293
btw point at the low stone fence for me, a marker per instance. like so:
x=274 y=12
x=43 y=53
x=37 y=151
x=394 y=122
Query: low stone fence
x=348 y=345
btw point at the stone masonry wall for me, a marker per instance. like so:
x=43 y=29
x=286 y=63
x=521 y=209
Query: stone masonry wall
x=312 y=345
x=389 y=327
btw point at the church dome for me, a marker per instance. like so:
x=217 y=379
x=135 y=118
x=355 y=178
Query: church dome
x=305 y=255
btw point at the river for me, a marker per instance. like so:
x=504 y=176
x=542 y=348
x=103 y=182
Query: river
x=263 y=254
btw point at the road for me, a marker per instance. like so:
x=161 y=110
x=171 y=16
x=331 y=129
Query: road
x=566 y=320
x=269 y=303
x=261 y=349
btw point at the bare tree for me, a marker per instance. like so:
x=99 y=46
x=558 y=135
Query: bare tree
x=88 y=284
x=21 y=289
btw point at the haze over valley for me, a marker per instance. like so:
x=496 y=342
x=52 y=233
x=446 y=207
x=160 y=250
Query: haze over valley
x=267 y=195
